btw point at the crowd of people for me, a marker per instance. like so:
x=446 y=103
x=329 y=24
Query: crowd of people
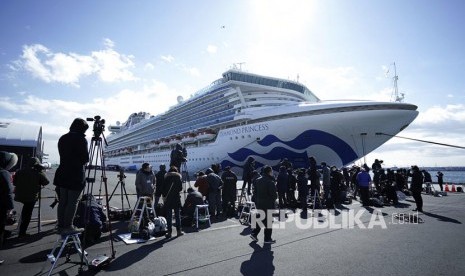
x=332 y=186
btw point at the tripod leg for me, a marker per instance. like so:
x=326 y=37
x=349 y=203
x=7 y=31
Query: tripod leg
x=114 y=190
x=123 y=187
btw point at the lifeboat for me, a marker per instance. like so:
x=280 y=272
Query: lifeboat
x=152 y=145
x=164 y=143
x=175 y=140
x=207 y=134
x=189 y=138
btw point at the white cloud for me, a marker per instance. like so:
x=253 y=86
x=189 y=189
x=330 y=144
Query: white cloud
x=69 y=68
x=168 y=58
x=193 y=71
x=212 y=49
x=450 y=114
x=149 y=66
x=112 y=66
x=108 y=43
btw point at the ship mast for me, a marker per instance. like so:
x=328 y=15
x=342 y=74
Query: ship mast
x=395 y=91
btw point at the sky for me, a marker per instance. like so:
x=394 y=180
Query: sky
x=65 y=59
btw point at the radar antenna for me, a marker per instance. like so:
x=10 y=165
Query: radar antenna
x=238 y=66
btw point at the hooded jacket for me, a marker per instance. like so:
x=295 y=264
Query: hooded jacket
x=7 y=161
x=29 y=181
x=74 y=154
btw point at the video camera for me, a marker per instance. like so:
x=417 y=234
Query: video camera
x=121 y=175
x=99 y=125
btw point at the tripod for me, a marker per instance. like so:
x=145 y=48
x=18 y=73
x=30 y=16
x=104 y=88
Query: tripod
x=123 y=192
x=96 y=161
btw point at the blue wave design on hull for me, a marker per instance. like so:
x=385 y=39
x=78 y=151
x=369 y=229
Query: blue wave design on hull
x=302 y=141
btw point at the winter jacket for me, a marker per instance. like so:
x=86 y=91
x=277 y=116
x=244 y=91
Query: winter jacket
x=336 y=179
x=292 y=181
x=6 y=190
x=326 y=176
x=427 y=178
x=159 y=178
x=248 y=169
x=302 y=185
x=28 y=183
x=417 y=181
x=229 y=179
x=214 y=183
x=74 y=154
x=145 y=182
x=202 y=185
x=363 y=179
x=265 y=192
x=193 y=199
x=282 y=181
x=172 y=186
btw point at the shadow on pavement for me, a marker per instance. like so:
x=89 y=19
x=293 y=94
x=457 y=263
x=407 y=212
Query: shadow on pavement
x=261 y=261
x=134 y=256
x=442 y=218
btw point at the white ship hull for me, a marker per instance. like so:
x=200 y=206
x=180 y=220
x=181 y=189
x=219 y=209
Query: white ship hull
x=337 y=133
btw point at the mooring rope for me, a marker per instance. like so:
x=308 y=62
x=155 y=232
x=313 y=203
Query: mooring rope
x=424 y=141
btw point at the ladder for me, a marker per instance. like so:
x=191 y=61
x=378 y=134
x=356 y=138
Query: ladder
x=61 y=243
x=246 y=212
x=243 y=198
x=143 y=209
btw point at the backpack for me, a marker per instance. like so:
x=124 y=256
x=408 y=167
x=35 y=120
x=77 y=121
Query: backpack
x=160 y=226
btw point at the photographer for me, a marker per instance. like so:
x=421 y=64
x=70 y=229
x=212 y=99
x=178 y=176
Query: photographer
x=247 y=172
x=229 y=179
x=215 y=184
x=159 y=177
x=70 y=174
x=172 y=186
x=91 y=216
x=416 y=186
x=178 y=156
x=145 y=181
x=28 y=182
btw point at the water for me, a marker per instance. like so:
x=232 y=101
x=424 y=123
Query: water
x=449 y=176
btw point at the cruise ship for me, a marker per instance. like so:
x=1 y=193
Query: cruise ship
x=244 y=114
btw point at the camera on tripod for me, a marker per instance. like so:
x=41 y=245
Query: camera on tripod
x=99 y=125
x=121 y=175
